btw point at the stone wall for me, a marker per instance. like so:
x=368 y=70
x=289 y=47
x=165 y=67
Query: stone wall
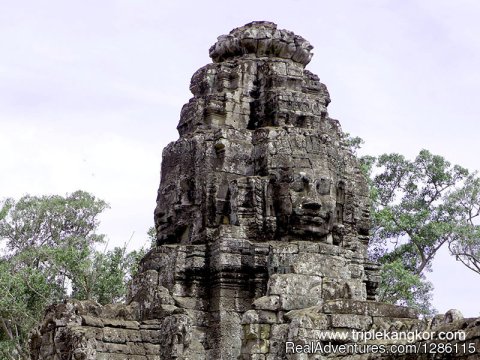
x=262 y=223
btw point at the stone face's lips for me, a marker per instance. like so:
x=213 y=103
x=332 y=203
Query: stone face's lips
x=262 y=39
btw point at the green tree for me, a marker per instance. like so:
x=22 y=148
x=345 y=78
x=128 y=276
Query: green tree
x=107 y=278
x=49 y=253
x=466 y=211
x=402 y=287
x=418 y=207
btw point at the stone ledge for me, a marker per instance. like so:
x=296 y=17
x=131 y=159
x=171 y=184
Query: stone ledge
x=370 y=308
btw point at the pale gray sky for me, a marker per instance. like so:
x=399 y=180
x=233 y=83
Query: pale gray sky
x=91 y=91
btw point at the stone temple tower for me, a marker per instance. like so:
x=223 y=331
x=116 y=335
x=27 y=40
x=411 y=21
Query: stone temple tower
x=260 y=201
x=262 y=223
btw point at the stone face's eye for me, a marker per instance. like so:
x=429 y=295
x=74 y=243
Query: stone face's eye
x=299 y=183
x=322 y=186
x=289 y=178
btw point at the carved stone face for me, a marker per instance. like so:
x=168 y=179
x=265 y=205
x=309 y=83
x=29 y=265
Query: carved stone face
x=304 y=204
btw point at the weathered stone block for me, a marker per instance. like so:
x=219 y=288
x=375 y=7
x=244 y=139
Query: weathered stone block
x=292 y=284
x=369 y=308
x=92 y=321
x=256 y=347
x=152 y=336
x=321 y=265
x=114 y=335
x=271 y=302
x=295 y=301
x=309 y=318
x=358 y=322
x=256 y=331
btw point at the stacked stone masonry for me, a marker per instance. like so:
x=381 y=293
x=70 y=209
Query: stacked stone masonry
x=262 y=223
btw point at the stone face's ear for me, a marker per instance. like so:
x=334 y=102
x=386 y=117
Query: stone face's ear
x=340 y=202
x=233 y=203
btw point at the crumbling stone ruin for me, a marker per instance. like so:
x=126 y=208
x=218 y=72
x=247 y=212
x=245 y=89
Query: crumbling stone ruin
x=262 y=219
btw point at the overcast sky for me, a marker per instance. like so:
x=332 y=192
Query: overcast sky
x=91 y=91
